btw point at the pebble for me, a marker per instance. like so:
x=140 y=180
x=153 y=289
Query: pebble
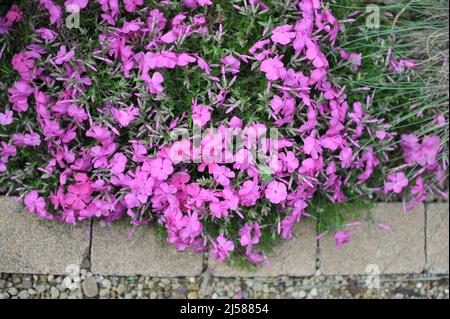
x=90 y=287
x=54 y=293
x=23 y=294
x=192 y=295
x=121 y=289
x=40 y=288
x=26 y=283
x=106 y=283
x=13 y=291
x=104 y=293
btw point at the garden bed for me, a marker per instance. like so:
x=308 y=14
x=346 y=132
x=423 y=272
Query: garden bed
x=229 y=126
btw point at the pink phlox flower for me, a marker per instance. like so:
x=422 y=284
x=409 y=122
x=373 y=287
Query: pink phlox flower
x=342 y=237
x=171 y=36
x=290 y=161
x=55 y=11
x=100 y=134
x=395 y=183
x=184 y=59
x=369 y=161
x=258 y=46
x=161 y=169
x=200 y=114
x=118 y=163
x=78 y=195
x=249 y=193
x=202 y=64
x=20 y=92
x=64 y=56
x=154 y=83
x=192 y=227
x=36 y=204
x=346 y=157
x=126 y=116
x=273 y=68
x=77 y=113
x=287 y=225
x=74 y=6
x=24 y=62
x=424 y=154
x=283 y=34
x=399 y=66
x=165 y=194
x=222 y=175
x=14 y=14
x=46 y=34
x=219 y=209
x=27 y=139
x=246 y=237
x=131 y=5
x=192 y=4
x=222 y=248
x=131 y=26
x=100 y=153
x=6 y=117
x=354 y=58
x=276 y=192
x=231 y=64
x=331 y=142
x=312 y=146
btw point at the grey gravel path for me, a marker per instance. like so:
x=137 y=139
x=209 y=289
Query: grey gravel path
x=87 y=285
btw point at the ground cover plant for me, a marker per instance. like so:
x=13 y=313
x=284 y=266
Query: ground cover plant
x=226 y=123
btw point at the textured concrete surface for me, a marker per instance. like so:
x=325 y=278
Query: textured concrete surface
x=296 y=257
x=29 y=244
x=121 y=249
x=437 y=238
x=372 y=250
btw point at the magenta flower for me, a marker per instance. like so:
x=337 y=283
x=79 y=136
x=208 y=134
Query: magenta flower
x=23 y=62
x=125 y=117
x=342 y=238
x=64 y=56
x=14 y=14
x=222 y=175
x=273 y=68
x=20 y=92
x=34 y=202
x=231 y=64
x=192 y=4
x=276 y=192
x=222 y=248
x=161 y=169
x=131 y=5
x=32 y=139
x=396 y=182
x=283 y=34
x=249 y=193
x=74 y=6
x=46 y=34
x=200 y=114
x=6 y=117
x=118 y=163
x=154 y=83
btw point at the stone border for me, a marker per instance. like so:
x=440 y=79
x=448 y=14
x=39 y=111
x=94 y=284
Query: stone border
x=417 y=242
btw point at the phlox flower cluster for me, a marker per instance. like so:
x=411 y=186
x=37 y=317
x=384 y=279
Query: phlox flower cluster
x=106 y=158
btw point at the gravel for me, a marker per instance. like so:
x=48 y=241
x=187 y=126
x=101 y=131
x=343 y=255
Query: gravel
x=88 y=285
